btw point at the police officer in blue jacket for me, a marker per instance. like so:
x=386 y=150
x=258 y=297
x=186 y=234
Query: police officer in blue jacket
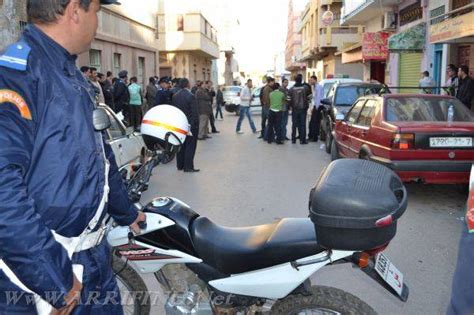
x=53 y=167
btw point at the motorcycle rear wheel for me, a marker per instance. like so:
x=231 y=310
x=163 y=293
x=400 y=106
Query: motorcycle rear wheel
x=133 y=291
x=322 y=300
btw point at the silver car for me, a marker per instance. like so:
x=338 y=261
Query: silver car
x=231 y=96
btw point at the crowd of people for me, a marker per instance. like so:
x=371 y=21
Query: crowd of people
x=277 y=102
x=126 y=97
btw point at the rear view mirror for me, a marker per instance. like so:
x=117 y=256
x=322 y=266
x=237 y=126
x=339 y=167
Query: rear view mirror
x=326 y=101
x=100 y=119
x=340 y=117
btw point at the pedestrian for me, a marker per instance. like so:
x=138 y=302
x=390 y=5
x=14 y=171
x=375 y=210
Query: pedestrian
x=150 y=94
x=136 y=101
x=110 y=77
x=316 y=111
x=196 y=87
x=94 y=80
x=212 y=93
x=219 y=102
x=54 y=170
x=299 y=104
x=265 y=101
x=86 y=72
x=122 y=96
x=205 y=108
x=466 y=87
x=106 y=86
x=245 y=99
x=186 y=102
x=277 y=98
x=427 y=83
x=453 y=82
x=174 y=87
x=285 y=111
x=163 y=95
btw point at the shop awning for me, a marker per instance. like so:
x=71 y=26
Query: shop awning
x=413 y=39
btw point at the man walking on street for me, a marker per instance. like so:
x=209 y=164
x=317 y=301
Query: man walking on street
x=299 y=104
x=316 y=115
x=219 y=102
x=245 y=98
x=186 y=102
x=285 y=112
x=265 y=101
x=466 y=87
x=205 y=109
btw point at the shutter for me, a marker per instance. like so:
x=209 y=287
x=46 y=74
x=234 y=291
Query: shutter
x=410 y=71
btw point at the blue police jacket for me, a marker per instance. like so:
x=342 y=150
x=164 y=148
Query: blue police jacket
x=51 y=162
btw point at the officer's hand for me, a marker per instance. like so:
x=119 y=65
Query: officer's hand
x=135 y=226
x=72 y=299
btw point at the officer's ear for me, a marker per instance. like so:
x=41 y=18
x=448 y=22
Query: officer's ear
x=72 y=11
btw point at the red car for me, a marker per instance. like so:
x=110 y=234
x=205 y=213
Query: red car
x=424 y=138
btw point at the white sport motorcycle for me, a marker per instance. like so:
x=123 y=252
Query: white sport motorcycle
x=204 y=268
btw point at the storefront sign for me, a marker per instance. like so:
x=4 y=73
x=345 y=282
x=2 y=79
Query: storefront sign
x=457 y=27
x=411 y=13
x=412 y=39
x=327 y=18
x=375 y=46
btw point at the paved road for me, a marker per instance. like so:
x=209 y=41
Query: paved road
x=244 y=181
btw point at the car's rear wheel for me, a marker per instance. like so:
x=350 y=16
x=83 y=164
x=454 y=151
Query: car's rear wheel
x=334 y=151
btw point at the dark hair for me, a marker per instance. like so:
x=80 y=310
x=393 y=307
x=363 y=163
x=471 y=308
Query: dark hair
x=314 y=77
x=207 y=82
x=452 y=67
x=100 y=75
x=47 y=11
x=276 y=86
x=299 y=78
x=133 y=79
x=92 y=69
x=426 y=73
x=85 y=69
x=183 y=83
x=464 y=69
x=284 y=79
x=152 y=80
x=270 y=79
x=109 y=73
x=249 y=80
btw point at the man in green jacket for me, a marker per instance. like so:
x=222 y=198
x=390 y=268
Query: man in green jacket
x=277 y=99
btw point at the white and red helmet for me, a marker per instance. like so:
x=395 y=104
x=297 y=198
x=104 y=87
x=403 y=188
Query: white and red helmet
x=162 y=120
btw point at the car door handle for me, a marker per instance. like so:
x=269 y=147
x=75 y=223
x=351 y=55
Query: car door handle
x=120 y=146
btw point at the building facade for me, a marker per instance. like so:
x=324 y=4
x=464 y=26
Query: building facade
x=293 y=42
x=323 y=38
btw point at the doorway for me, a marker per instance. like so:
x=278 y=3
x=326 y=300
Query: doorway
x=377 y=71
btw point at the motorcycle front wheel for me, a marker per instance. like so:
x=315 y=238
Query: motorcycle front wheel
x=322 y=301
x=133 y=291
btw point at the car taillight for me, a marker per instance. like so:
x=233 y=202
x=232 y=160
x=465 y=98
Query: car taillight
x=403 y=141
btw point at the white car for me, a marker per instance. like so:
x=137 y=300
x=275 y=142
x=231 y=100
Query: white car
x=231 y=96
x=128 y=146
x=328 y=83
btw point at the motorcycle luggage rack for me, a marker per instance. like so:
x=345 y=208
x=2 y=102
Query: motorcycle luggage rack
x=295 y=264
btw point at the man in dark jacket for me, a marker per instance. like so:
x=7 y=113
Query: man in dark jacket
x=186 y=102
x=121 y=95
x=265 y=101
x=219 y=102
x=204 y=101
x=107 y=90
x=466 y=87
x=212 y=93
x=163 y=95
x=150 y=94
x=299 y=104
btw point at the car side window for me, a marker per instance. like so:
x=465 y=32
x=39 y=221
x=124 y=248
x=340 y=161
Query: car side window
x=367 y=113
x=355 y=111
x=331 y=92
x=115 y=130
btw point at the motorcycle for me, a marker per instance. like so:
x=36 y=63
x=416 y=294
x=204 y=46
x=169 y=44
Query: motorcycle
x=204 y=268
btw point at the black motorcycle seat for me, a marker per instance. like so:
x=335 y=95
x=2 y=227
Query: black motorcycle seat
x=238 y=250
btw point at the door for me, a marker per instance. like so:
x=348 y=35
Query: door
x=438 y=60
x=361 y=127
x=345 y=130
x=377 y=71
x=409 y=72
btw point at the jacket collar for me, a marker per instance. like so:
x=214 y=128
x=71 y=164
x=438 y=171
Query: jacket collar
x=56 y=54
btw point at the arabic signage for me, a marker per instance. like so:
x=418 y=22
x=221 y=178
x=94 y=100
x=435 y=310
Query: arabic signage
x=375 y=46
x=411 y=13
x=460 y=26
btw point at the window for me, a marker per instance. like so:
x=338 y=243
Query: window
x=366 y=115
x=355 y=111
x=347 y=95
x=141 y=70
x=94 y=59
x=115 y=131
x=180 y=21
x=117 y=63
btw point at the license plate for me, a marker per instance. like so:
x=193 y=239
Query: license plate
x=451 y=142
x=391 y=275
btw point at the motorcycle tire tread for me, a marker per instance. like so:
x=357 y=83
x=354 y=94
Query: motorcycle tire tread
x=323 y=297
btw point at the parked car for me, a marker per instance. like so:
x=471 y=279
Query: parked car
x=328 y=83
x=255 y=103
x=424 y=138
x=339 y=99
x=128 y=146
x=232 y=98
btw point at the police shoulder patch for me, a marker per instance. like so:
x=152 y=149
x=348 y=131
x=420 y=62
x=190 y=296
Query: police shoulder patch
x=16 y=56
x=12 y=97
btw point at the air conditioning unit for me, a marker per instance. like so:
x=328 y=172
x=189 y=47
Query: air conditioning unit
x=389 y=20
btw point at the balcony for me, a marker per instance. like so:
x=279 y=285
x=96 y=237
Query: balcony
x=337 y=36
x=453 y=27
x=187 y=32
x=360 y=11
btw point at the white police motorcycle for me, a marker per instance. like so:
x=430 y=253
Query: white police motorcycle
x=204 y=268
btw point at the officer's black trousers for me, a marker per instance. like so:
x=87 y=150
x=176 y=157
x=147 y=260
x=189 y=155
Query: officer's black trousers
x=185 y=156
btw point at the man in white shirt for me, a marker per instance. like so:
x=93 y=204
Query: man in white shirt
x=245 y=98
x=315 y=122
